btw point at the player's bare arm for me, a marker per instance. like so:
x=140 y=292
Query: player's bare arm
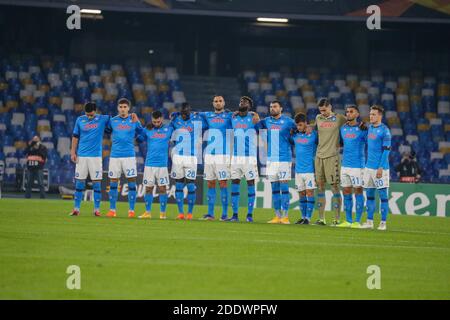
x=73 y=150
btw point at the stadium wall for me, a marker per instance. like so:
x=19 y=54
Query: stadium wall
x=408 y=199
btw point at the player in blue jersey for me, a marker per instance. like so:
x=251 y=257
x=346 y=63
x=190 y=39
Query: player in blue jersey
x=158 y=138
x=187 y=134
x=305 y=152
x=279 y=158
x=122 y=159
x=86 y=152
x=244 y=159
x=376 y=173
x=217 y=154
x=353 y=137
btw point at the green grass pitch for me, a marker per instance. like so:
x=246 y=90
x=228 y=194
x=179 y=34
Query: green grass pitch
x=123 y=258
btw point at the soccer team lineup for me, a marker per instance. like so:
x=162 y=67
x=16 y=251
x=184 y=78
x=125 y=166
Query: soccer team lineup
x=231 y=144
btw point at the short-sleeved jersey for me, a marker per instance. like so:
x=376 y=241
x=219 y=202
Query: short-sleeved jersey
x=377 y=138
x=354 y=140
x=278 y=137
x=90 y=134
x=218 y=140
x=123 y=133
x=158 y=141
x=305 y=151
x=245 y=136
x=187 y=133
x=328 y=131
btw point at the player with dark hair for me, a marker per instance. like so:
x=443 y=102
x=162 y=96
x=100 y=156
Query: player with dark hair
x=158 y=138
x=86 y=152
x=353 y=160
x=305 y=150
x=279 y=159
x=187 y=133
x=327 y=162
x=244 y=159
x=124 y=130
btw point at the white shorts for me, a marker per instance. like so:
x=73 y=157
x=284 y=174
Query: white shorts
x=217 y=167
x=351 y=177
x=244 y=167
x=91 y=165
x=305 y=181
x=156 y=176
x=371 y=181
x=184 y=167
x=278 y=171
x=119 y=165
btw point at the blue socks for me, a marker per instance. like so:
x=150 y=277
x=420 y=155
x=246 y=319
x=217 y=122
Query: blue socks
x=348 y=207
x=359 y=206
x=276 y=197
x=113 y=194
x=336 y=201
x=309 y=207
x=211 y=201
x=191 y=196
x=224 y=197
x=163 y=202
x=179 y=195
x=148 y=198
x=384 y=203
x=303 y=205
x=78 y=196
x=251 y=199
x=235 y=188
x=131 y=194
x=97 y=186
x=370 y=192
x=284 y=187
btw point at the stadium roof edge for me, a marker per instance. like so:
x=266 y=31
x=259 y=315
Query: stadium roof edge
x=231 y=14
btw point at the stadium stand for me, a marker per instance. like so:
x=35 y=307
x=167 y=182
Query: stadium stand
x=417 y=107
x=45 y=96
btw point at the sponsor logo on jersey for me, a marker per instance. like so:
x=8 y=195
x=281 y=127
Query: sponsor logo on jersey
x=241 y=126
x=275 y=127
x=350 y=135
x=302 y=140
x=158 y=135
x=372 y=136
x=188 y=129
x=327 y=124
x=217 y=120
x=91 y=125
x=123 y=127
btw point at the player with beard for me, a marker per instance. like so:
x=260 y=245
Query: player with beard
x=217 y=154
x=279 y=158
x=353 y=161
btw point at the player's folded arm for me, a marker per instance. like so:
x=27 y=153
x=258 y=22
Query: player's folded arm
x=384 y=162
